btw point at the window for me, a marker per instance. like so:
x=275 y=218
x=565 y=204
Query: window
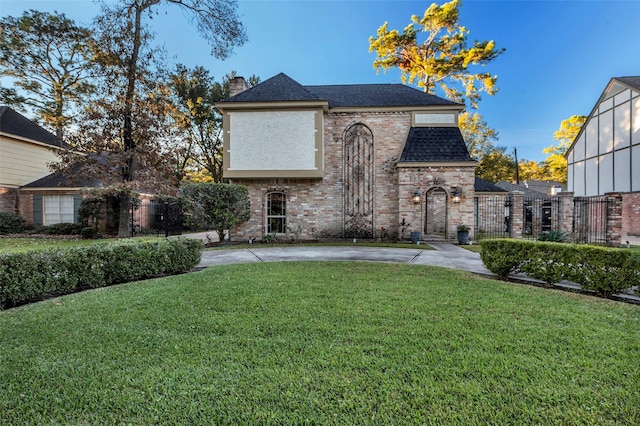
x=276 y=213
x=57 y=209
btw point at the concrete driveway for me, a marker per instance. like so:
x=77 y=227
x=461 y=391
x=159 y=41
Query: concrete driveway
x=445 y=254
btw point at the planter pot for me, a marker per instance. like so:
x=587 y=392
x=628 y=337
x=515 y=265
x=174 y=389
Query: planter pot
x=463 y=237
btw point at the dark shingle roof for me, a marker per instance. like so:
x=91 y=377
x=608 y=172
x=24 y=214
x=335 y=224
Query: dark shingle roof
x=630 y=81
x=14 y=123
x=529 y=193
x=482 y=185
x=278 y=88
x=283 y=88
x=427 y=144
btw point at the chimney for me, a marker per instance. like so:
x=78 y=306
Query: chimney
x=237 y=85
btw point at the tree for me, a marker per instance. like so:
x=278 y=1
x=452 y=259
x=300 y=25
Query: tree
x=196 y=93
x=496 y=166
x=49 y=58
x=556 y=162
x=224 y=205
x=438 y=58
x=133 y=110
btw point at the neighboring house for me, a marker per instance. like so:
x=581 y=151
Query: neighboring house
x=346 y=160
x=26 y=150
x=605 y=155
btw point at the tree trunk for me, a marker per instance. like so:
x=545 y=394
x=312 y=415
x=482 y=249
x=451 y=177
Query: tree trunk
x=124 y=226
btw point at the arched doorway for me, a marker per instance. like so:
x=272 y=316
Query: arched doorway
x=435 y=225
x=358 y=182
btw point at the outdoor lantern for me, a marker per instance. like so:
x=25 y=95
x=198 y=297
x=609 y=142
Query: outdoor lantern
x=416 y=197
x=455 y=195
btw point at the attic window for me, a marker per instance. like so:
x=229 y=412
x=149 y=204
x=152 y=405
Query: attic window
x=434 y=119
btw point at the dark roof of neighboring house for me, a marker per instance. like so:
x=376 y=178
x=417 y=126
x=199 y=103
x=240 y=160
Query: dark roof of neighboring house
x=426 y=144
x=482 y=185
x=630 y=81
x=529 y=193
x=544 y=186
x=58 y=180
x=282 y=88
x=17 y=124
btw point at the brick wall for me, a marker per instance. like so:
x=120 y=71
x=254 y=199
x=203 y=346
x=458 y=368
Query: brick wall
x=315 y=206
x=8 y=200
x=631 y=214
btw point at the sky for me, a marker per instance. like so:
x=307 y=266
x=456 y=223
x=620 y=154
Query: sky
x=559 y=55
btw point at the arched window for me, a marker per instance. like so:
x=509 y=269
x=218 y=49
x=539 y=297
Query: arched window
x=276 y=213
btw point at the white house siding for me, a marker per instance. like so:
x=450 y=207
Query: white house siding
x=606 y=155
x=22 y=162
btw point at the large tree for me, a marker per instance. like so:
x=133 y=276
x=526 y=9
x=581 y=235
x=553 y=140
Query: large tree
x=48 y=58
x=133 y=113
x=199 y=121
x=556 y=162
x=433 y=52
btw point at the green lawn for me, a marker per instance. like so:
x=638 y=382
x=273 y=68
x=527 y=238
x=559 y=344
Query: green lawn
x=324 y=343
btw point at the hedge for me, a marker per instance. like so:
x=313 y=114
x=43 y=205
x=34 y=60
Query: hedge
x=36 y=275
x=604 y=270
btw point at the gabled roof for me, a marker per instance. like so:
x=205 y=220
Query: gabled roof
x=633 y=82
x=16 y=124
x=276 y=89
x=434 y=144
x=529 y=193
x=482 y=185
x=282 y=88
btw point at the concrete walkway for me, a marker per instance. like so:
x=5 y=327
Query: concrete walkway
x=445 y=254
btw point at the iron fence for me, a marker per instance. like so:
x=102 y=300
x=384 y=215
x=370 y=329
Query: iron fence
x=541 y=215
x=491 y=217
x=156 y=218
x=590 y=220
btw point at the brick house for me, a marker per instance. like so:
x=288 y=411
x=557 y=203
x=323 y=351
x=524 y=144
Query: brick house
x=348 y=161
x=604 y=158
x=26 y=150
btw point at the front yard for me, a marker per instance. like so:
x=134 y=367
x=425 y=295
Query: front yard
x=320 y=342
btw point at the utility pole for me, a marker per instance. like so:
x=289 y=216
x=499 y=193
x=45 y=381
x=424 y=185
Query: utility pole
x=515 y=154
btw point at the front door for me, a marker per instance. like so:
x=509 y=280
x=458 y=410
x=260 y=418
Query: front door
x=436 y=214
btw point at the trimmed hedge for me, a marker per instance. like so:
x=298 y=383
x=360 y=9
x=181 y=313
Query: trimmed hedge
x=36 y=275
x=604 y=270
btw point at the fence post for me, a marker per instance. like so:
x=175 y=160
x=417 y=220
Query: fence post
x=565 y=213
x=516 y=214
x=614 y=219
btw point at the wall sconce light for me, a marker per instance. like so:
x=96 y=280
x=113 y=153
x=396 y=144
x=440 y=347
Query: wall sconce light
x=455 y=195
x=416 y=197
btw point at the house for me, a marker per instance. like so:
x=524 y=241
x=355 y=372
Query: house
x=26 y=150
x=605 y=155
x=350 y=161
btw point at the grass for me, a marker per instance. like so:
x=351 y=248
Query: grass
x=12 y=244
x=324 y=343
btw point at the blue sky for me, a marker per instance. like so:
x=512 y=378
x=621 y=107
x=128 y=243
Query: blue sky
x=559 y=54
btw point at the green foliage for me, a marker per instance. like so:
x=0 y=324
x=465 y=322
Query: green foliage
x=604 y=270
x=440 y=58
x=11 y=223
x=223 y=205
x=32 y=275
x=92 y=210
x=64 y=228
x=553 y=236
x=50 y=59
x=88 y=233
x=270 y=238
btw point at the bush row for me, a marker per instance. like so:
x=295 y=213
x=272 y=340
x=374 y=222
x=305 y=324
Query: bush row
x=39 y=274
x=604 y=270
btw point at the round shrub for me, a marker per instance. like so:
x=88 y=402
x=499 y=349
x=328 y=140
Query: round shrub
x=11 y=223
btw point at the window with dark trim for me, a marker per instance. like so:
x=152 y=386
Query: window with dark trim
x=276 y=213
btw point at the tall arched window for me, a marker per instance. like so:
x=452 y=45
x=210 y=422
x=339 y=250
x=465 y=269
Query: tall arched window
x=276 y=213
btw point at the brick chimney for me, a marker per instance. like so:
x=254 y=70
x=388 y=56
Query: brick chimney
x=237 y=85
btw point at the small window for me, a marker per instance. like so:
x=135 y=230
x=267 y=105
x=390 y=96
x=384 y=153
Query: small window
x=276 y=213
x=58 y=209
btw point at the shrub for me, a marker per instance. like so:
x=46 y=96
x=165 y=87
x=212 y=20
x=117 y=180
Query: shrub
x=604 y=270
x=88 y=233
x=552 y=236
x=11 y=223
x=61 y=229
x=39 y=274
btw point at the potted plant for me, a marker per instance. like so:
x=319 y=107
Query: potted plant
x=463 y=234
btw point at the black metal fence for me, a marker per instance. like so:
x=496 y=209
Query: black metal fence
x=540 y=216
x=491 y=217
x=590 y=220
x=149 y=217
